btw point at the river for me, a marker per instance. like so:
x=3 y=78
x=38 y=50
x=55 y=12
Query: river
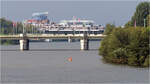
x=46 y=62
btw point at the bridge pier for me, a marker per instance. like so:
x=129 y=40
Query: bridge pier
x=24 y=43
x=48 y=40
x=69 y=40
x=84 y=42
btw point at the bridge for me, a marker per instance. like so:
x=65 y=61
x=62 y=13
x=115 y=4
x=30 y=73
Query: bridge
x=24 y=38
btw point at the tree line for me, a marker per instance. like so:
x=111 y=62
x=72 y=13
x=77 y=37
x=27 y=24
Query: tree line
x=8 y=27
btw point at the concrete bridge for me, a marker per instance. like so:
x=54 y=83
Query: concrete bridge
x=24 y=38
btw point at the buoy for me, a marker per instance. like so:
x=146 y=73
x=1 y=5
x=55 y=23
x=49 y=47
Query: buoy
x=70 y=59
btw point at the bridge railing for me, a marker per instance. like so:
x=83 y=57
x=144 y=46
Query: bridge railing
x=46 y=36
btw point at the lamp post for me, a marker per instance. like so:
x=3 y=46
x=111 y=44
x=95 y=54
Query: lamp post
x=23 y=24
x=16 y=28
x=144 y=22
x=23 y=27
x=84 y=28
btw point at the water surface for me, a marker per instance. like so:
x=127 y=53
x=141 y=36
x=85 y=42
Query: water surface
x=47 y=63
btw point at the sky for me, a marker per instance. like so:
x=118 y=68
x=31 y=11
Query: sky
x=117 y=12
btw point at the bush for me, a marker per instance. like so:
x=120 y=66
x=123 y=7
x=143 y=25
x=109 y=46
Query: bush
x=147 y=62
x=126 y=46
x=9 y=42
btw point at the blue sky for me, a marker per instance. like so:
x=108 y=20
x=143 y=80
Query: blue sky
x=101 y=11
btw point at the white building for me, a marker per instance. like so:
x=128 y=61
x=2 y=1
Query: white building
x=76 y=23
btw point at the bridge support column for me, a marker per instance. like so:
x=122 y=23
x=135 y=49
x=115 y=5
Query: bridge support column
x=24 y=43
x=84 y=43
x=48 y=40
x=69 y=40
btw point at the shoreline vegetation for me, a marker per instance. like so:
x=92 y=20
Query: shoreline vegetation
x=129 y=45
x=9 y=42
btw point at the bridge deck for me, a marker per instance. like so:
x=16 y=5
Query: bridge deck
x=46 y=36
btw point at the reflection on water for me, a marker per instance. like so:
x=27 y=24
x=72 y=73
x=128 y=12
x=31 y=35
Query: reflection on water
x=48 y=63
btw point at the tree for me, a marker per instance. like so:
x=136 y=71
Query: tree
x=127 y=46
x=6 y=26
x=142 y=11
x=128 y=24
x=148 y=20
x=109 y=28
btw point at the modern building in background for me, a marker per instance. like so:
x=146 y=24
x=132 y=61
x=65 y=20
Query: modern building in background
x=38 y=18
x=77 y=23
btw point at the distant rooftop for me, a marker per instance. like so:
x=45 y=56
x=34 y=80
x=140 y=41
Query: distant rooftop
x=40 y=13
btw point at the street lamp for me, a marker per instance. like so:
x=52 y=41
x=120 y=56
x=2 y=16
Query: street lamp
x=23 y=27
x=144 y=22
